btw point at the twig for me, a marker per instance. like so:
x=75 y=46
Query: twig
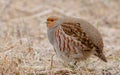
x=51 y=62
x=33 y=16
x=29 y=10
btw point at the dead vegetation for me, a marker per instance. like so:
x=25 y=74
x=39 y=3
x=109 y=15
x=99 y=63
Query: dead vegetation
x=25 y=49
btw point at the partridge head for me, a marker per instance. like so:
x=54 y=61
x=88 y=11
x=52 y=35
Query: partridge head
x=74 y=39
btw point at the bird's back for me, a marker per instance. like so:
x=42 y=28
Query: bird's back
x=78 y=26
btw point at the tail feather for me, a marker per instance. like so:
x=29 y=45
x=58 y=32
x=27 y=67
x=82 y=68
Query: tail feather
x=100 y=55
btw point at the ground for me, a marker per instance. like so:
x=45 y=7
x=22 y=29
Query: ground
x=24 y=46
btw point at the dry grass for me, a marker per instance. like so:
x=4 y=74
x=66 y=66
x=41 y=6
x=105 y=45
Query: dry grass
x=25 y=49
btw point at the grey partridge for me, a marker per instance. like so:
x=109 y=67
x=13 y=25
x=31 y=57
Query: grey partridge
x=74 y=39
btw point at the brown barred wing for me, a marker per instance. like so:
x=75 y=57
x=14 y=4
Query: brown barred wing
x=75 y=30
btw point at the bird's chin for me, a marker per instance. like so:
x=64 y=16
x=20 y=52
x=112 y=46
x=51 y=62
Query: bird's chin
x=49 y=26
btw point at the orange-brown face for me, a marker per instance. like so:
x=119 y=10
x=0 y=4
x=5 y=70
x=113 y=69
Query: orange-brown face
x=51 y=21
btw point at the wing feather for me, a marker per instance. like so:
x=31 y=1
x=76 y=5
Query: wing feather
x=82 y=31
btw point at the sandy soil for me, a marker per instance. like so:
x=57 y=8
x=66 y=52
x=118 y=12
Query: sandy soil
x=24 y=46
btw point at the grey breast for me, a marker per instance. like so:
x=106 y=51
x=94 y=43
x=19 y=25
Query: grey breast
x=51 y=31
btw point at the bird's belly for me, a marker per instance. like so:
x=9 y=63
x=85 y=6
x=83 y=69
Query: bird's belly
x=70 y=56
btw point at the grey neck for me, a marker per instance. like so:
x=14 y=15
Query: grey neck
x=51 y=31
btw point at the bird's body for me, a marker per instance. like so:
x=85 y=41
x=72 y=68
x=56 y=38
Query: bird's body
x=74 y=39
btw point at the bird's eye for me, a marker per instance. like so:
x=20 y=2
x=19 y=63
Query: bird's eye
x=52 y=20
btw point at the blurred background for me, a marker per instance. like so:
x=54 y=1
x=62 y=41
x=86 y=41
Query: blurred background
x=24 y=46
